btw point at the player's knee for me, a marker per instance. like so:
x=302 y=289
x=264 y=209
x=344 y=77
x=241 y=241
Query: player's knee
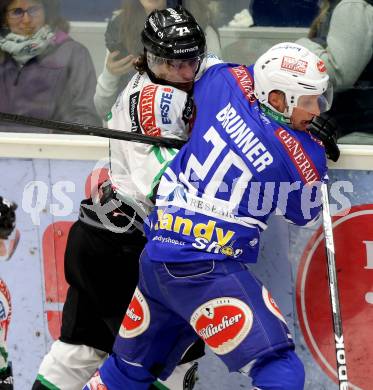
x=281 y=371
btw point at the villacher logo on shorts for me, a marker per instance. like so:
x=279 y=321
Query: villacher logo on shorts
x=137 y=318
x=223 y=323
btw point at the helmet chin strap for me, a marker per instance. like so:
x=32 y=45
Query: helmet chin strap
x=274 y=114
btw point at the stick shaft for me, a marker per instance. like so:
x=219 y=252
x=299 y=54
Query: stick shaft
x=333 y=291
x=77 y=128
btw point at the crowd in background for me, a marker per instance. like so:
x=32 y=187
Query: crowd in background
x=44 y=73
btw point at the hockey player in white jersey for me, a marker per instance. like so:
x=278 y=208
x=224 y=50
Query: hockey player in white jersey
x=101 y=266
x=157 y=102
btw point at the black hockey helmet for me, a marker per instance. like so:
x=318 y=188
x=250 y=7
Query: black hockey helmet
x=173 y=33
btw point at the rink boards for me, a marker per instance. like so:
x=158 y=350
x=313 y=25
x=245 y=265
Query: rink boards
x=48 y=176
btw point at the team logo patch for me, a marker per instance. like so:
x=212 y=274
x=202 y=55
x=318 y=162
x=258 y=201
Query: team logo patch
x=294 y=65
x=321 y=66
x=222 y=323
x=96 y=383
x=109 y=116
x=137 y=317
x=271 y=304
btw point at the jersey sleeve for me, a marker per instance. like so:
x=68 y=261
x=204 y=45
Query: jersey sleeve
x=116 y=118
x=304 y=205
x=300 y=194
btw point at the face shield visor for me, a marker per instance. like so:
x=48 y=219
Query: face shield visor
x=175 y=71
x=316 y=104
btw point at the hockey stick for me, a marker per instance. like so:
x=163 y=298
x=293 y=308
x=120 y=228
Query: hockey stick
x=78 y=128
x=333 y=291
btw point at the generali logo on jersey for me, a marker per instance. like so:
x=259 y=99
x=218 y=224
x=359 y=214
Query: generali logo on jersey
x=245 y=82
x=222 y=323
x=294 y=65
x=137 y=318
x=147 y=117
x=300 y=158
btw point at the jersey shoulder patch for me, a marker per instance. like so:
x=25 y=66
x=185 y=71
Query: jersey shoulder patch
x=298 y=156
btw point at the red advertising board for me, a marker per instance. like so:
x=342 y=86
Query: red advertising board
x=353 y=236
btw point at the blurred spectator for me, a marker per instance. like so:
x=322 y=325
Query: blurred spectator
x=342 y=36
x=122 y=39
x=123 y=45
x=43 y=72
x=94 y=10
x=204 y=16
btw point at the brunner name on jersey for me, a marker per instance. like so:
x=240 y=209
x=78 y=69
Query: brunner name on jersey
x=244 y=137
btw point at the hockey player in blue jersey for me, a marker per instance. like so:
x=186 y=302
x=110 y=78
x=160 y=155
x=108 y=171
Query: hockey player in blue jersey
x=250 y=154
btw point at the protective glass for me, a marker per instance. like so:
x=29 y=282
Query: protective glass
x=316 y=104
x=174 y=70
x=19 y=13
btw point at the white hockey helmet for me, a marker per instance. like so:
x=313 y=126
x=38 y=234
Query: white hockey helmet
x=297 y=72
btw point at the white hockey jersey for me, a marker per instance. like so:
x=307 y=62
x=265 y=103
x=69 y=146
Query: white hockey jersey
x=151 y=109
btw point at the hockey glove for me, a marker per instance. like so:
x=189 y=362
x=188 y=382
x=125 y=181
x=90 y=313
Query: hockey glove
x=7 y=218
x=326 y=130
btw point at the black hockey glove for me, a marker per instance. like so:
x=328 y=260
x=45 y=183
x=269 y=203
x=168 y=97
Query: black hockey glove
x=7 y=218
x=326 y=130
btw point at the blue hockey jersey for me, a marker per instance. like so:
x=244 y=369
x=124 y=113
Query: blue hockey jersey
x=238 y=167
